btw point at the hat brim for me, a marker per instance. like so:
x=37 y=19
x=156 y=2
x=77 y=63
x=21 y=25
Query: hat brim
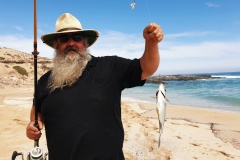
x=91 y=35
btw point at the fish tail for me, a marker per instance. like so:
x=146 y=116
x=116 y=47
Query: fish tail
x=159 y=141
x=160 y=132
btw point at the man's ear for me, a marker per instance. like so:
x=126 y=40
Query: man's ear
x=55 y=43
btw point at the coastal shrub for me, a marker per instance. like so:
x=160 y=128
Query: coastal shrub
x=2 y=58
x=6 y=66
x=21 y=70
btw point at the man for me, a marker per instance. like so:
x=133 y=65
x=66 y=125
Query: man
x=78 y=101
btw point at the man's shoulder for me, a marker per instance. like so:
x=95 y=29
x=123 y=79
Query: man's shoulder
x=102 y=59
x=44 y=77
x=112 y=58
x=106 y=57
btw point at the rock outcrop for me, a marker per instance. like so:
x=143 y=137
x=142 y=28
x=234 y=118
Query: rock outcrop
x=180 y=77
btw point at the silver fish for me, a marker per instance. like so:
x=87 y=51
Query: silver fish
x=161 y=108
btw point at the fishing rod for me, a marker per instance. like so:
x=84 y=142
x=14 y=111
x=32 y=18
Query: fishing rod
x=36 y=153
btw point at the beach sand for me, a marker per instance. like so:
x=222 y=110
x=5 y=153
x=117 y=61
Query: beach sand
x=189 y=133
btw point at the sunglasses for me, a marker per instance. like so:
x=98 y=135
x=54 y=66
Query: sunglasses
x=75 y=37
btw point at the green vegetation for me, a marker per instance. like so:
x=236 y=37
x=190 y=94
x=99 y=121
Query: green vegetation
x=21 y=70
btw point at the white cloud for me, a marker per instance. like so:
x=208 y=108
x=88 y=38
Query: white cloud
x=176 y=58
x=206 y=56
x=210 y=4
x=117 y=43
x=190 y=34
x=24 y=44
x=200 y=57
x=18 y=28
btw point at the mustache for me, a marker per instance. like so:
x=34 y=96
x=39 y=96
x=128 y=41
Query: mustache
x=71 y=49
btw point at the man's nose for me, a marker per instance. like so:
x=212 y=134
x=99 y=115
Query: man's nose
x=71 y=42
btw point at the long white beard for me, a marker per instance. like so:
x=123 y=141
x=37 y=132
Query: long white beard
x=67 y=68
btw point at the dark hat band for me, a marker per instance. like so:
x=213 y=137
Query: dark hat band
x=67 y=29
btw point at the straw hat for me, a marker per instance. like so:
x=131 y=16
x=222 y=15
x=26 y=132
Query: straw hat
x=67 y=23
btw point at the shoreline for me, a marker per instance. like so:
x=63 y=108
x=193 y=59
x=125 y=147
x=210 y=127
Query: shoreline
x=183 y=106
x=189 y=132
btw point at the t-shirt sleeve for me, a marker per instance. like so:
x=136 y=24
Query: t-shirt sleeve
x=129 y=72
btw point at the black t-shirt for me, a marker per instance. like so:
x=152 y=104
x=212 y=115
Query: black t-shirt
x=83 y=122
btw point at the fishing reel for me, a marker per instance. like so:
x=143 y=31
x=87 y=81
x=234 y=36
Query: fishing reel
x=35 y=154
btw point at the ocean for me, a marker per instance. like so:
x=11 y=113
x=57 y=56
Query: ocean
x=222 y=93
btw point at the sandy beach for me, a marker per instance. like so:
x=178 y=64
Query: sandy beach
x=189 y=133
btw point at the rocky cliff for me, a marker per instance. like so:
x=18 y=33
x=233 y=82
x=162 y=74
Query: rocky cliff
x=16 y=68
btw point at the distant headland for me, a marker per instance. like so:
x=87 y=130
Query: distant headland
x=179 y=77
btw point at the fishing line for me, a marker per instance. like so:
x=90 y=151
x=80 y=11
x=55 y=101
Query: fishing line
x=149 y=16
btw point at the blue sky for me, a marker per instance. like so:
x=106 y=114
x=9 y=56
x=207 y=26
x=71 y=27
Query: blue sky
x=200 y=35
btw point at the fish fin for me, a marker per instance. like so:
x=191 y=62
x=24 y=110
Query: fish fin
x=167 y=100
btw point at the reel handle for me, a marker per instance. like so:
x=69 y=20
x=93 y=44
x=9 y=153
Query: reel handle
x=15 y=154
